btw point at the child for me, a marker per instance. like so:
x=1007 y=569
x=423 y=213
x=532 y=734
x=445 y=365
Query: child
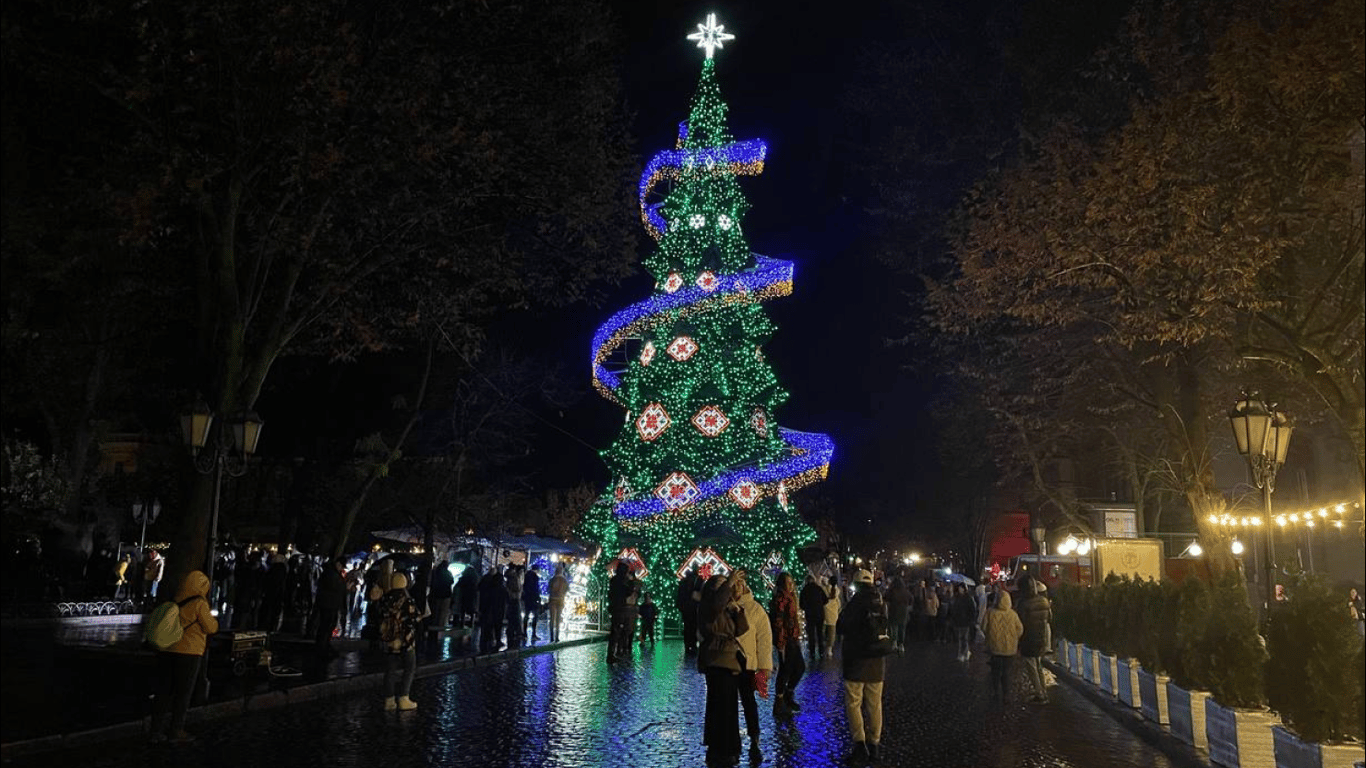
x=648 y=613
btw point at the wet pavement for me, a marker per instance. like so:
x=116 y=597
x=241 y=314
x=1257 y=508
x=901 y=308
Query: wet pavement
x=71 y=677
x=570 y=708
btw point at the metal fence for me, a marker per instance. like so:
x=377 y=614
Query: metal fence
x=71 y=609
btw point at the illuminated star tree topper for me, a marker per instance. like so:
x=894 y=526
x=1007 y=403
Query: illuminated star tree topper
x=711 y=35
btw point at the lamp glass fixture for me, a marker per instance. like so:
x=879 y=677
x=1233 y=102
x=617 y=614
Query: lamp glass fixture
x=1250 y=421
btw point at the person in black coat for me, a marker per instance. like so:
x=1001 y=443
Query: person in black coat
x=250 y=572
x=468 y=589
x=493 y=597
x=686 y=601
x=531 y=603
x=812 y=601
x=274 y=593
x=329 y=603
x=443 y=584
x=618 y=590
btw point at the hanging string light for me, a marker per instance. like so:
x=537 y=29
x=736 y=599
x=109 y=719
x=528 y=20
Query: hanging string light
x=1329 y=515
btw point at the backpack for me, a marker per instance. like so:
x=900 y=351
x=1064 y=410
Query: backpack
x=164 y=628
x=878 y=641
x=393 y=629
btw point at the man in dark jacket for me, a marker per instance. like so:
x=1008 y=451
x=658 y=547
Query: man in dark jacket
x=618 y=591
x=686 y=601
x=493 y=597
x=860 y=623
x=440 y=593
x=330 y=601
x=1036 y=614
x=468 y=589
x=963 y=617
x=531 y=604
x=812 y=601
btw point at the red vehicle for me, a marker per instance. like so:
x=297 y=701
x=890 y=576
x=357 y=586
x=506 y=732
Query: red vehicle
x=1053 y=569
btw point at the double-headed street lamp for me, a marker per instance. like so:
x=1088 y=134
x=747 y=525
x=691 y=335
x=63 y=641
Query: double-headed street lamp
x=1263 y=437
x=229 y=449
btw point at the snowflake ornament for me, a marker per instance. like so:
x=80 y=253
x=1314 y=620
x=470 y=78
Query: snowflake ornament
x=723 y=221
x=682 y=348
x=677 y=491
x=710 y=421
x=745 y=493
x=707 y=563
x=697 y=220
x=652 y=422
x=759 y=422
x=634 y=563
x=673 y=282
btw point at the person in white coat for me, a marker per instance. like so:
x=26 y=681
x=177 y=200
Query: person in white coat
x=756 y=647
x=833 y=604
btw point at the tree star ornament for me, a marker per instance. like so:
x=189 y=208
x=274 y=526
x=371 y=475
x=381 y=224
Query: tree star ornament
x=711 y=35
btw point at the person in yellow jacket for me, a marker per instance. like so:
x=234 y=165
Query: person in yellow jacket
x=756 y=650
x=178 y=666
x=121 y=575
x=1003 y=628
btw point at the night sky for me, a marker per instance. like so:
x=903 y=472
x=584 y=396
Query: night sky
x=785 y=78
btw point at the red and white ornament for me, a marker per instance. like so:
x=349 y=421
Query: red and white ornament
x=677 y=491
x=707 y=563
x=647 y=353
x=710 y=421
x=745 y=493
x=759 y=422
x=707 y=281
x=622 y=490
x=652 y=422
x=635 y=564
x=673 y=282
x=682 y=348
x=782 y=495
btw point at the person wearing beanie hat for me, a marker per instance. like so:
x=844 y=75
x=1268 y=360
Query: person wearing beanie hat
x=861 y=622
x=398 y=622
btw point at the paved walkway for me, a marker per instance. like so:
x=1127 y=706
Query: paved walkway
x=569 y=708
x=74 y=676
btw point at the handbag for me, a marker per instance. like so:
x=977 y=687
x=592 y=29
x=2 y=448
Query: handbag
x=882 y=646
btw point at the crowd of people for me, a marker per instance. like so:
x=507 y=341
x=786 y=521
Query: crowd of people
x=744 y=650
x=737 y=642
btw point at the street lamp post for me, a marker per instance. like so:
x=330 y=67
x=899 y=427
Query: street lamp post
x=1040 y=534
x=1263 y=437
x=229 y=450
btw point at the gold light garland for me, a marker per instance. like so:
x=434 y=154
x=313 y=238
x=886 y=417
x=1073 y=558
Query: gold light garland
x=1309 y=518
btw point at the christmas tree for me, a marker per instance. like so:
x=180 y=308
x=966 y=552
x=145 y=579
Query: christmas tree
x=701 y=471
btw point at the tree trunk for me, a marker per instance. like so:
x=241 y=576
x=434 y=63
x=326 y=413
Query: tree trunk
x=381 y=469
x=1180 y=398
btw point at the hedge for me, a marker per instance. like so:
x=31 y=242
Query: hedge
x=1204 y=637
